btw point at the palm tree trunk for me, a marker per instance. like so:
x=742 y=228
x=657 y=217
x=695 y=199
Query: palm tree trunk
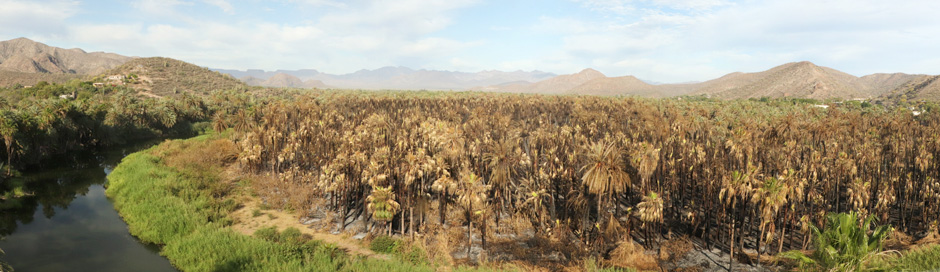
x=469 y=234
x=731 y=242
x=411 y=221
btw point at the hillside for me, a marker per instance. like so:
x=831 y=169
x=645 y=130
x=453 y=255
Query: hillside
x=921 y=87
x=8 y=78
x=555 y=85
x=611 y=86
x=796 y=79
x=165 y=76
x=883 y=84
x=27 y=56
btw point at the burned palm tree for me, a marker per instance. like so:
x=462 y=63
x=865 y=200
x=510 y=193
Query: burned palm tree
x=472 y=201
x=382 y=204
x=650 y=210
x=605 y=178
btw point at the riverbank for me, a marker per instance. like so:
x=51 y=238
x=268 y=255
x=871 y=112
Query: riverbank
x=176 y=195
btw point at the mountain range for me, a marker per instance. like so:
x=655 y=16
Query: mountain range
x=795 y=80
x=400 y=78
x=25 y=55
x=23 y=60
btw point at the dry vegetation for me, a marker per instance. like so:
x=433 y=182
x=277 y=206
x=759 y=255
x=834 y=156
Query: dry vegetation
x=9 y=78
x=165 y=76
x=551 y=180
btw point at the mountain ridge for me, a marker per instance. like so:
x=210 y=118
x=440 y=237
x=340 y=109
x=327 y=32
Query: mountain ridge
x=393 y=77
x=28 y=56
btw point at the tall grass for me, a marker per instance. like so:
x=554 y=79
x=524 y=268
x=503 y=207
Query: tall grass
x=172 y=195
x=921 y=259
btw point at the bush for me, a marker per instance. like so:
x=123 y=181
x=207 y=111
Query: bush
x=384 y=244
x=268 y=234
x=845 y=245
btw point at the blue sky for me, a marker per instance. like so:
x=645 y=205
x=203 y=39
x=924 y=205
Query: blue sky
x=659 y=40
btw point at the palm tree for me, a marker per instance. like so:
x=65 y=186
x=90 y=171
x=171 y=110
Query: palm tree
x=769 y=196
x=473 y=201
x=651 y=212
x=604 y=175
x=8 y=129
x=735 y=188
x=501 y=160
x=382 y=204
x=845 y=244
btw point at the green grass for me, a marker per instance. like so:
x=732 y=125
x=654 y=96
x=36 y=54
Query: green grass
x=922 y=259
x=184 y=207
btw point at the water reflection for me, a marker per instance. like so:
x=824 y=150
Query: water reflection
x=60 y=220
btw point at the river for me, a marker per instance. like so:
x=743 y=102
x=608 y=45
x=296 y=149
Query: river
x=66 y=223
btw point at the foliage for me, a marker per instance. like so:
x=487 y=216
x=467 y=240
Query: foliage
x=922 y=259
x=844 y=245
x=384 y=244
x=171 y=194
x=729 y=171
x=4 y=267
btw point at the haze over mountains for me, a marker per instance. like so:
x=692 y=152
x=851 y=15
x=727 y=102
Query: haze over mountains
x=399 y=78
x=23 y=60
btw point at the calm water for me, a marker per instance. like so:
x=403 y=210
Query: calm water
x=68 y=224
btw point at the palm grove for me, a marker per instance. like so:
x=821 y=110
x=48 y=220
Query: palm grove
x=590 y=171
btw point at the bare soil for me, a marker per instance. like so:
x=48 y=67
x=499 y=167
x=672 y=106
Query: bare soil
x=247 y=223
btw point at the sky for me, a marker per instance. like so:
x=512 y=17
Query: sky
x=666 y=41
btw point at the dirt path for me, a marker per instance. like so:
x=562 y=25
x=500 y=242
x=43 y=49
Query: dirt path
x=247 y=223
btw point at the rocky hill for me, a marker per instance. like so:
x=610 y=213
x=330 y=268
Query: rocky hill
x=612 y=86
x=921 y=87
x=27 y=56
x=797 y=79
x=164 y=76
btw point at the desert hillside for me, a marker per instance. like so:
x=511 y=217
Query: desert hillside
x=166 y=76
x=797 y=79
x=27 y=56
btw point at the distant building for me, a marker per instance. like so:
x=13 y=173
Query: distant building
x=98 y=84
x=116 y=77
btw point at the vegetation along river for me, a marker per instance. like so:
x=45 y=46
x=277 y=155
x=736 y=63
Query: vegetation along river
x=62 y=221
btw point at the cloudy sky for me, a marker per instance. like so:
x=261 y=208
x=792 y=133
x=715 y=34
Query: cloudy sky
x=658 y=40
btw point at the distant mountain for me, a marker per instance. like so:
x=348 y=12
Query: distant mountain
x=920 y=87
x=797 y=79
x=165 y=76
x=555 y=85
x=610 y=86
x=280 y=80
x=401 y=78
x=27 y=56
x=592 y=82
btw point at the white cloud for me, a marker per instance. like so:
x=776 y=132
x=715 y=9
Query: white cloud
x=662 y=37
x=25 y=18
x=224 y=5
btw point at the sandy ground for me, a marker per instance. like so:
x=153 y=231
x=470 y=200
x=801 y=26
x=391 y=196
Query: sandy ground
x=247 y=223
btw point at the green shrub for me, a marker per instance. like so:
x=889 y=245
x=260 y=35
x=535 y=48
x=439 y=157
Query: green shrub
x=384 y=244
x=268 y=234
x=845 y=245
